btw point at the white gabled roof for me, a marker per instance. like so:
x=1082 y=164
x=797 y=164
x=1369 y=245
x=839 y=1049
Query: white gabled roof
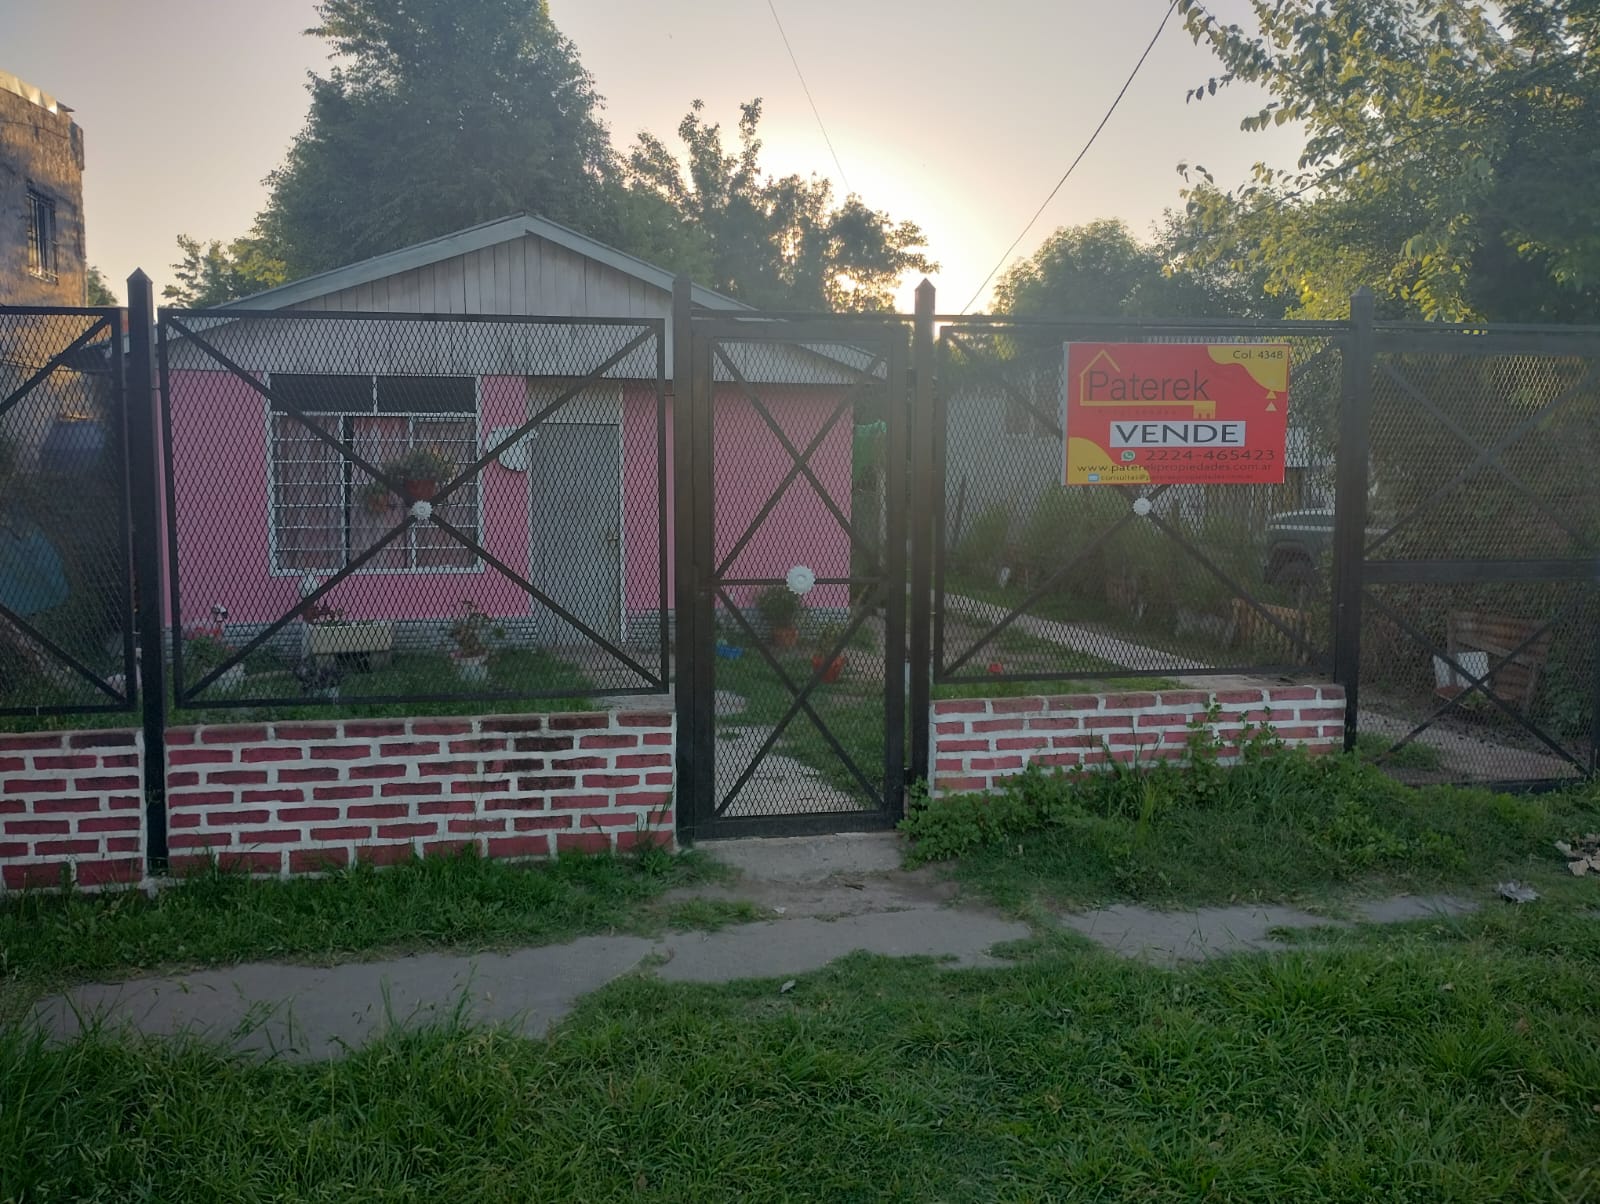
x=475 y=238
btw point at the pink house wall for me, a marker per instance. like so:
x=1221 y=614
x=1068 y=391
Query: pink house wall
x=219 y=436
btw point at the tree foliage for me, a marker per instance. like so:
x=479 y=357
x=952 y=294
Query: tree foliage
x=97 y=290
x=212 y=273
x=775 y=243
x=1449 y=161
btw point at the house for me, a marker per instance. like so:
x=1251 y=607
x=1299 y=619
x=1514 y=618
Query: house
x=41 y=199
x=490 y=326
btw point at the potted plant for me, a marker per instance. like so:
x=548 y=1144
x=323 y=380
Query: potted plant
x=470 y=633
x=369 y=643
x=828 y=639
x=419 y=472
x=779 y=608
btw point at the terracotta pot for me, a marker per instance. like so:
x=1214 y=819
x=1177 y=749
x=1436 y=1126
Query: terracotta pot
x=420 y=491
x=785 y=637
x=831 y=674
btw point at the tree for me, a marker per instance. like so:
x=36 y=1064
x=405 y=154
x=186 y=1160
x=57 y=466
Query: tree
x=440 y=115
x=775 y=243
x=211 y=273
x=97 y=290
x=1449 y=160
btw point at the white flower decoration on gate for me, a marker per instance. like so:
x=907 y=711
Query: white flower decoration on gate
x=422 y=511
x=800 y=580
x=1142 y=507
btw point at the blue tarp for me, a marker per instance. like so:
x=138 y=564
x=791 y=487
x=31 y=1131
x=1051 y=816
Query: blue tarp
x=31 y=575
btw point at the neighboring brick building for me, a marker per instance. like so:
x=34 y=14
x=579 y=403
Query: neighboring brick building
x=41 y=199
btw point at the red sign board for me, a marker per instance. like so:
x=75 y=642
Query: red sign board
x=1176 y=413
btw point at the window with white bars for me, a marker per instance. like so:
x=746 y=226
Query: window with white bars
x=326 y=511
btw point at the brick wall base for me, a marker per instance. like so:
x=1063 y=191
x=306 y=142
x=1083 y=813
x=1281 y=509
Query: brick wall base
x=977 y=743
x=277 y=799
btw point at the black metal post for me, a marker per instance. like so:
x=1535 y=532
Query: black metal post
x=922 y=527
x=145 y=488
x=1350 y=508
x=684 y=605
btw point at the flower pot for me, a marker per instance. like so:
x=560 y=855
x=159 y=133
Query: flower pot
x=831 y=673
x=380 y=503
x=472 y=668
x=785 y=637
x=373 y=641
x=420 y=490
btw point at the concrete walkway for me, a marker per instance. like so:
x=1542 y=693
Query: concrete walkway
x=827 y=897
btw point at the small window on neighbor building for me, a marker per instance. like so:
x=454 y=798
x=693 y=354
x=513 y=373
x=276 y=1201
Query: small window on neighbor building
x=41 y=235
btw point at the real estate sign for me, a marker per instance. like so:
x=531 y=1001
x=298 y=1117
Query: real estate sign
x=1176 y=413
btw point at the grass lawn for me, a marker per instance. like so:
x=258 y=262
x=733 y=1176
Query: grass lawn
x=1458 y=1061
x=220 y=918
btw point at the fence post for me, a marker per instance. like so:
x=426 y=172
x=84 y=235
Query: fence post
x=145 y=488
x=1350 y=507
x=684 y=602
x=922 y=503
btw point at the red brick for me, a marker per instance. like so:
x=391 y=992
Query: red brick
x=233 y=734
x=271 y=753
x=547 y=782
x=198 y=840
x=16 y=849
x=1129 y=702
x=1227 y=697
x=517 y=765
x=574 y=763
x=52 y=806
x=102 y=740
x=610 y=781
x=375 y=772
x=477 y=745
x=24 y=877
x=657 y=738
x=411 y=789
x=652 y=800
x=64 y=848
x=13 y=806
x=475 y=825
x=123 y=844
x=1184 y=698
x=335 y=793
x=579 y=723
x=384 y=854
x=1056 y=723
x=186 y=778
x=70 y=761
x=232 y=819
x=198 y=798
x=394 y=831
x=538 y=823
x=949 y=764
x=36 y=786
x=630 y=840
x=378 y=811
x=180 y=735
x=30 y=743
x=409 y=748
x=644 y=719
x=645 y=761
x=270 y=836
x=446 y=807
x=444 y=769
x=658 y=779
x=124 y=801
x=951 y=727
x=519 y=846
x=252 y=861
x=582 y=842
x=272 y=796
x=200 y=756
x=37 y=827
x=989 y=764
x=1162 y=720
x=291 y=815
x=511 y=802
x=350 y=832
x=1073 y=742
x=1074 y=702
x=965 y=746
x=13 y=764
x=340 y=752
x=330 y=774
x=237 y=777
x=447 y=848
x=571 y=802
x=1293 y=694
x=109 y=823
x=609 y=819
x=1133 y=739
x=357 y=729
x=1017 y=743
x=317 y=861
x=105 y=873
x=609 y=742
x=1317 y=714
x=527 y=723
x=957 y=784
x=1015 y=706
x=440 y=727
x=305 y=731
x=1100 y=723
x=1000 y=725
x=1059 y=759
x=543 y=743
x=1298 y=733
x=121 y=761
x=961 y=706
x=479 y=785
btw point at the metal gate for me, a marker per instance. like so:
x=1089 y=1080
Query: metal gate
x=792 y=563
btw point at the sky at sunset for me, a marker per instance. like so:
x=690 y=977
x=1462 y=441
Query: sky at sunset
x=958 y=116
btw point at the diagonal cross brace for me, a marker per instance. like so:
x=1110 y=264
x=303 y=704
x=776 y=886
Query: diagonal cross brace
x=52 y=364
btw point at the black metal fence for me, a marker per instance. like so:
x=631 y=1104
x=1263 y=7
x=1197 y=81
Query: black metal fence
x=66 y=611
x=370 y=508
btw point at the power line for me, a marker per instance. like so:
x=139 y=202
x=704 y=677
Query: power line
x=1126 y=84
x=801 y=75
